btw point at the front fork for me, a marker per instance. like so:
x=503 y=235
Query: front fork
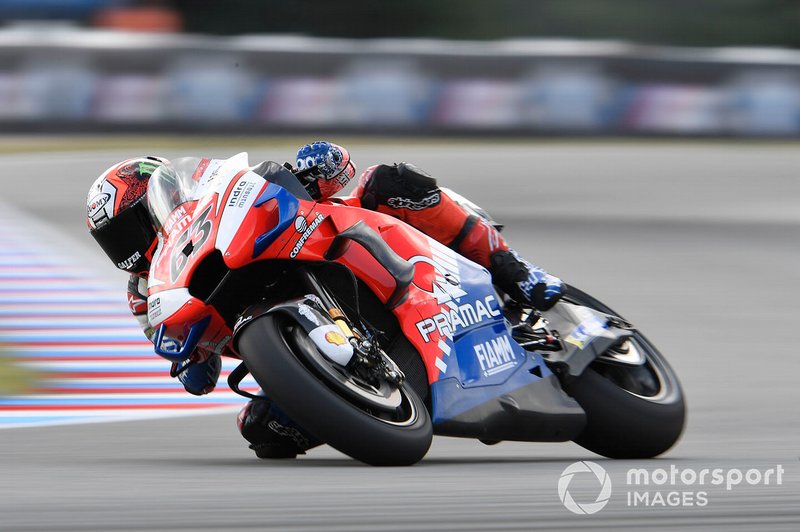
x=367 y=353
x=330 y=306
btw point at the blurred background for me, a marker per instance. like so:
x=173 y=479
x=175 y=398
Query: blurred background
x=542 y=67
x=692 y=234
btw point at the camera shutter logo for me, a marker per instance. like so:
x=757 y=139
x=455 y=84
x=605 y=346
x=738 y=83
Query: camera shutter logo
x=584 y=508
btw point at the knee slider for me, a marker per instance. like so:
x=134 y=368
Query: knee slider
x=253 y=421
x=261 y=422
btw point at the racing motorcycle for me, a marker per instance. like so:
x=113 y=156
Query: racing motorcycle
x=373 y=336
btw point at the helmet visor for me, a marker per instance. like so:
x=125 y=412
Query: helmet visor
x=127 y=237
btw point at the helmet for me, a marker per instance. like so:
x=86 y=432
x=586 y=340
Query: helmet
x=333 y=165
x=116 y=212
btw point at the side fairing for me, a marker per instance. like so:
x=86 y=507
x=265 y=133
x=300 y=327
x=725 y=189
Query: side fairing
x=454 y=320
x=164 y=304
x=225 y=192
x=243 y=194
x=462 y=324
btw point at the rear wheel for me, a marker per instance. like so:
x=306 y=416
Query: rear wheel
x=379 y=423
x=632 y=411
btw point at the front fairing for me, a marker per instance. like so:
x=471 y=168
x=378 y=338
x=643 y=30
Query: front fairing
x=208 y=199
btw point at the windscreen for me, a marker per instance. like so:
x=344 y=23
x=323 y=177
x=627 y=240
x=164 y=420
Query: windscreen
x=170 y=185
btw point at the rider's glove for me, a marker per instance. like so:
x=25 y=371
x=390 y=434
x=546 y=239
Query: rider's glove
x=199 y=378
x=332 y=164
x=543 y=290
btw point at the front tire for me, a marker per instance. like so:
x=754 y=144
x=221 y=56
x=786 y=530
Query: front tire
x=631 y=411
x=277 y=353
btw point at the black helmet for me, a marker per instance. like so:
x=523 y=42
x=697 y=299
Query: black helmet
x=116 y=212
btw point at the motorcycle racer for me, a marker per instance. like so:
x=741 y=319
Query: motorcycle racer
x=118 y=220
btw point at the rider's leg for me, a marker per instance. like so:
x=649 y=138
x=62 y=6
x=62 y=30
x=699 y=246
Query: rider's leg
x=270 y=431
x=407 y=193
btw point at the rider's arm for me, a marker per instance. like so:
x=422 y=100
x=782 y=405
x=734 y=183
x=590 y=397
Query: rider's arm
x=137 y=301
x=200 y=377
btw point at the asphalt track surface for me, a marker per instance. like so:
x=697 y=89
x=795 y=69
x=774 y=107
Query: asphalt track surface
x=695 y=243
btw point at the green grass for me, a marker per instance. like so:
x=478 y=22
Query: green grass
x=14 y=379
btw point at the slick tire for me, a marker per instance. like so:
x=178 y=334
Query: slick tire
x=274 y=355
x=621 y=425
x=620 y=422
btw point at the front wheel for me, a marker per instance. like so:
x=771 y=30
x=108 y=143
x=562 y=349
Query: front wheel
x=385 y=425
x=631 y=411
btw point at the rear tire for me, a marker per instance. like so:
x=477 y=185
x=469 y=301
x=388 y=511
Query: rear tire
x=628 y=417
x=273 y=347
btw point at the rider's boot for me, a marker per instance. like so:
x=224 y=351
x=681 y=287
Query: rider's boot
x=406 y=192
x=271 y=433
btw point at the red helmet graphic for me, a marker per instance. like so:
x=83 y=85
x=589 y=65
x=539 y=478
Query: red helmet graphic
x=116 y=213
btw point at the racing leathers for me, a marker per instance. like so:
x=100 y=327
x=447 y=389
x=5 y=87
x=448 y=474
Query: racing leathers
x=405 y=192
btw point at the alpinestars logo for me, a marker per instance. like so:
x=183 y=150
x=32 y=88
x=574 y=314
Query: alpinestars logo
x=289 y=432
x=406 y=203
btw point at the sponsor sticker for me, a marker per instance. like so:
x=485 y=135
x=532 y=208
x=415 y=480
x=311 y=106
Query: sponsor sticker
x=308 y=314
x=335 y=338
x=456 y=317
x=97 y=203
x=496 y=355
x=305 y=229
x=130 y=261
x=154 y=308
x=327 y=338
x=177 y=220
x=586 y=331
x=240 y=193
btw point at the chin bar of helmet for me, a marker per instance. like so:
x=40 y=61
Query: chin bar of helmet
x=195 y=333
x=307 y=177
